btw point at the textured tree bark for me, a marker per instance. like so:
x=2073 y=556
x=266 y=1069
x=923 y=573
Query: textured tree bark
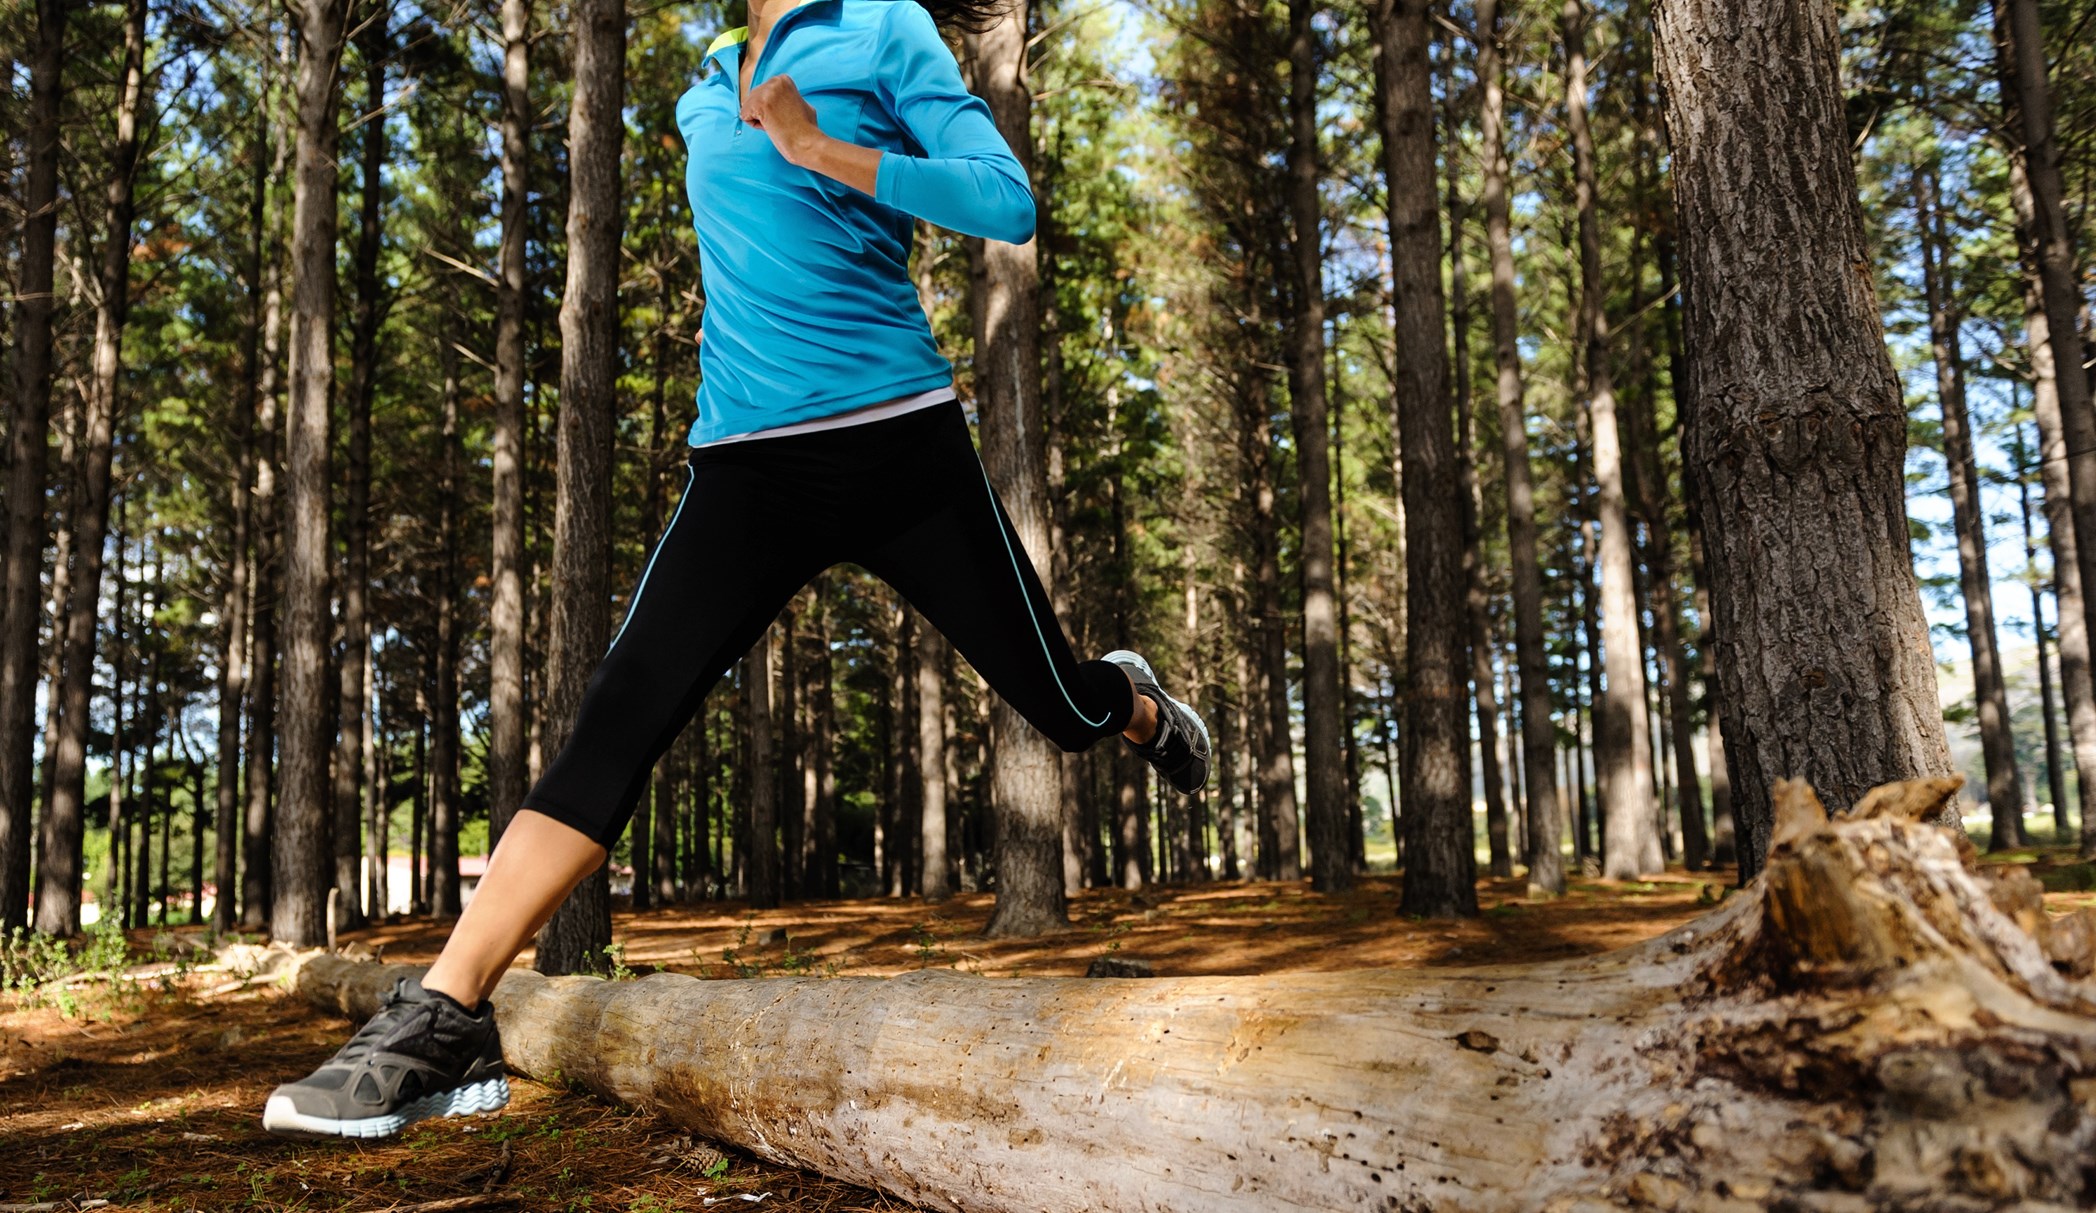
x=233 y=646
x=1545 y=856
x=445 y=899
x=28 y=439
x=1477 y=596
x=577 y=934
x=1440 y=863
x=2076 y=673
x=1871 y=1025
x=1025 y=778
x=2055 y=774
x=2049 y=250
x=354 y=703
x=1968 y=519
x=1623 y=743
x=1325 y=807
x=507 y=760
x=300 y=846
x=1796 y=427
x=61 y=832
x=935 y=881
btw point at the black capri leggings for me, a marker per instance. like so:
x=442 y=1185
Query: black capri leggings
x=906 y=499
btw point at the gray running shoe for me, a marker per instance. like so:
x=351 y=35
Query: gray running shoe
x=1179 y=751
x=422 y=1055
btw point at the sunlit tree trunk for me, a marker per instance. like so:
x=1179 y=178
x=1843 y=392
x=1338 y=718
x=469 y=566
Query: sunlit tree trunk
x=507 y=726
x=1025 y=778
x=1325 y=806
x=579 y=931
x=1997 y=744
x=2055 y=774
x=60 y=834
x=1796 y=422
x=1546 y=864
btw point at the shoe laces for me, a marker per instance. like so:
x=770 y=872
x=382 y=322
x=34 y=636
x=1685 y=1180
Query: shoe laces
x=375 y=1029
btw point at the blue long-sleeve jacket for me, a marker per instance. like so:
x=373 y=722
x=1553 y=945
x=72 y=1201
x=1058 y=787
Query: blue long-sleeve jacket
x=810 y=310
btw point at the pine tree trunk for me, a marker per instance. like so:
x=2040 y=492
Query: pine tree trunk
x=355 y=698
x=2076 y=672
x=60 y=834
x=579 y=931
x=937 y=880
x=1325 y=803
x=787 y=754
x=2048 y=249
x=1546 y=864
x=1623 y=740
x=2055 y=774
x=444 y=715
x=1796 y=423
x=507 y=759
x=761 y=867
x=1025 y=779
x=29 y=426
x=1440 y=860
x=1968 y=519
x=1279 y=851
x=300 y=838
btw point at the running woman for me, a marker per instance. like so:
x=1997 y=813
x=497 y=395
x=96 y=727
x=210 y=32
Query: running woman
x=828 y=431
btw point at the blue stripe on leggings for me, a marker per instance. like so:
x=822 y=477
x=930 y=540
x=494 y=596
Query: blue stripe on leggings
x=690 y=475
x=998 y=518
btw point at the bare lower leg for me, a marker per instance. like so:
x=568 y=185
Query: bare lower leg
x=1142 y=723
x=537 y=863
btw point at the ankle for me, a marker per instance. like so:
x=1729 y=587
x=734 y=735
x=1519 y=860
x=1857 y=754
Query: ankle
x=1143 y=720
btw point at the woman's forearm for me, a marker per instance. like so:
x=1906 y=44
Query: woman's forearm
x=855 y=166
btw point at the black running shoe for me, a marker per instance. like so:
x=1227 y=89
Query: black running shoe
x=422 y=1055
x=1179 y=750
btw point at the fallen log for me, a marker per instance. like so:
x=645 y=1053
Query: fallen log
x=1873 y=1024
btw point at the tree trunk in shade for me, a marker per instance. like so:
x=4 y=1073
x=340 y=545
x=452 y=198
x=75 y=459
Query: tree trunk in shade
x=356 y=540
x=1025 y=788
x=1623 y=742
x=936 y=876
x=1363 y=1090
x=445 y=900
x=1797 y=429
x=507 y=760
x=1968 y=519
x=2055 y=773
x=1325 y=808
x=302 y=866
x=1546 y=864
x=29 y=427
x=761 y=869
x=61 y=833
x=580 y=626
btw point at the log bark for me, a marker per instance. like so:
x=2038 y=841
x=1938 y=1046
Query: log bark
x=1872 y=1024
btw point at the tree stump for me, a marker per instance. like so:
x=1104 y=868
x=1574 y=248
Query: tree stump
x=1874 y=1023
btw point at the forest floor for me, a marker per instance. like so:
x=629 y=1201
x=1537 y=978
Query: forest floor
x=144 y=1092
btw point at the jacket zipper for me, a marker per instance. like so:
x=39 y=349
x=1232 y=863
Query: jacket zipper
x=770 y=40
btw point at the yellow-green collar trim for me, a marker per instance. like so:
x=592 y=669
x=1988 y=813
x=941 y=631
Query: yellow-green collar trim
x=733 y=37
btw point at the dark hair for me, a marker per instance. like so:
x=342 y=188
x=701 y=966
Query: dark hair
x=973 y=16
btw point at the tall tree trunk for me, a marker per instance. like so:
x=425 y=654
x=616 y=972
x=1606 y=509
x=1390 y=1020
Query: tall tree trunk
x=1440 y=860
x=257 y=876
x=1280 y=851
x=1025 y=785
x=301 y=836
x=787 y=753
x=823 y=873
x=233 y=647
x=1546 y=864
x=2049 y=249
x=444 y=715
x=2062 y=536
x=936 y=881
x=762 y=869
x=28 y=462
x=507 y=760
x=1623 y=740
x=1797 y=429
x=579 y=931
x=1997 y=743
x=1477 y=597
x=356 y=558
x=2055 y=775
x=61 y=831
x=1325 y=802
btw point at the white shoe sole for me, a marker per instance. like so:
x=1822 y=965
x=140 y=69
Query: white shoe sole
x=1128 y=657
x=279 y=1115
